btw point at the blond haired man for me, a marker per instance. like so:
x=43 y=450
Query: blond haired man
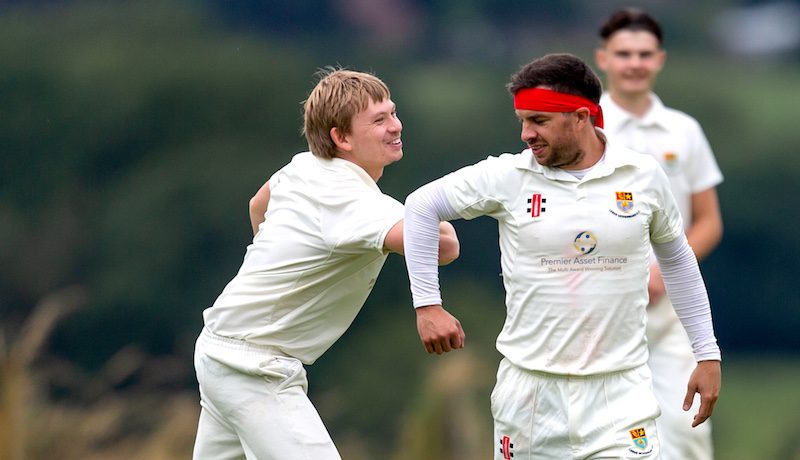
x=323 y=230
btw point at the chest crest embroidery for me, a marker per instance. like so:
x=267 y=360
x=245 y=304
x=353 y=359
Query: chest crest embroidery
x=671 y=163
x=625 y=205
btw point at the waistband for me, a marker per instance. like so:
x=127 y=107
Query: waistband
x=573 y=377
x=237 y=344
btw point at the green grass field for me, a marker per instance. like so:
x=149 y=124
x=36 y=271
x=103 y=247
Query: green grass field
x=756 y=418
x=758 y=414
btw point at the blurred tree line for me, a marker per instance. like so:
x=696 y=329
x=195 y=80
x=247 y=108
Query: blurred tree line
x=132 y=135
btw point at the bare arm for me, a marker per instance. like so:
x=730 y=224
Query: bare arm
x=258 y=206
x=705 y=232
x=449 y=247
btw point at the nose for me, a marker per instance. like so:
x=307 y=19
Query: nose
x=528 y=134
x=397 y=125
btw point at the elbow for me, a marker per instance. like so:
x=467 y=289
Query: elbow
x=449 y=246
x=449 y=250
x=254 y=204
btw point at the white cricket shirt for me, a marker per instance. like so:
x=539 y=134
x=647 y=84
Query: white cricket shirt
x=674 y=139
x=312 y=263
x=574 y=255
x=678 y=143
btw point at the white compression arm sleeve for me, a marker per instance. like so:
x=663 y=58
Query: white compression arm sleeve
x=425 y=208
x=688 y=295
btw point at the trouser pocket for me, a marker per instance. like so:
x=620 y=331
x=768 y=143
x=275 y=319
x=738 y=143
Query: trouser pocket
x=283 y=372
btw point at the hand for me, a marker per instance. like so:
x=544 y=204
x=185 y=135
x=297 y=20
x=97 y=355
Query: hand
x=655 y=287
x=439 y=331
x=705 y=380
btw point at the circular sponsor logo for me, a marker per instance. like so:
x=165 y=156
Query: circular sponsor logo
x=585 y=243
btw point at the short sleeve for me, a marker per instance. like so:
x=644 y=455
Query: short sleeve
x=364 y=223
x=666 y=224
x=704 y=172
x=478 y=190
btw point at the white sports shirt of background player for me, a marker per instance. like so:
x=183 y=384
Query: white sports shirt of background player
x=675 y=140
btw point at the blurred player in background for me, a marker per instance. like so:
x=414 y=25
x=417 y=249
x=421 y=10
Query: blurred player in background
x=314 y=260
x=631 y=56
x=578 y=218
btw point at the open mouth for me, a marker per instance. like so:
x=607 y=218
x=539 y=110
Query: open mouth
x=537 y=149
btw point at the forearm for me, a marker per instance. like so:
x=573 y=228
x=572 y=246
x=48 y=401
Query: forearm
x=703 y=237
x=687 y=292
x=425 y=209
x=705 y=233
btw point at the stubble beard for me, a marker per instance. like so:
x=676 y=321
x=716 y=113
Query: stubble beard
x=564 y=157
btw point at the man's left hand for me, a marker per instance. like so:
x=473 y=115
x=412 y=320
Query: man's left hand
x=705 y=380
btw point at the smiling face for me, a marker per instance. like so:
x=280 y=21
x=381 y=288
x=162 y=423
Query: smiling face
x=374 y=138
x=631 y=60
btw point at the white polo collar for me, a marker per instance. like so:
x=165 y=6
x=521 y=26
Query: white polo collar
x=655 y=115
x=613 y=158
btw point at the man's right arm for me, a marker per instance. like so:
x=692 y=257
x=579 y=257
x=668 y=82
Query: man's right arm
x=705 y=232
x=258 y=206
x=439 y=331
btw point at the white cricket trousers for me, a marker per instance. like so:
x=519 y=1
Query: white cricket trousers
x=541 y=416
x=254 y=405
x=672 y=363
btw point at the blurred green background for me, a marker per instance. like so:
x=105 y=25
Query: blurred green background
x=132 y=135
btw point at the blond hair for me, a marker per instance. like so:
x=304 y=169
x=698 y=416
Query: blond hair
x=337 y=98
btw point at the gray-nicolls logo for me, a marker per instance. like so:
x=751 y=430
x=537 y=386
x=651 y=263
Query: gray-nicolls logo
x=536 y=204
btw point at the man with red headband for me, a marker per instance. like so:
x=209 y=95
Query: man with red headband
x=631 y=56
x=578 y=218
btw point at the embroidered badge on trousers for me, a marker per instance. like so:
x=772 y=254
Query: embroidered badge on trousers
x=505 y=448
x=640 y=444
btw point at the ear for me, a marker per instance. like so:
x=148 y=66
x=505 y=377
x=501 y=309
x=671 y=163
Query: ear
x=662 y=58
x=341 y=139
x=600 y=58
x=583 y=115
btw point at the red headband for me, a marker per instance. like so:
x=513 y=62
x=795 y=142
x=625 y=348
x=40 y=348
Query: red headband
x=546 y=100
